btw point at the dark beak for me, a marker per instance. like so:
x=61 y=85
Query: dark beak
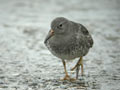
x=50 y=34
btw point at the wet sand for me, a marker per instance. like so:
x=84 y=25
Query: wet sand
x=25 y=62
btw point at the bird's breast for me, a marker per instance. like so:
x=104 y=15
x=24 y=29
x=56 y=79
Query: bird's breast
x=65 y=49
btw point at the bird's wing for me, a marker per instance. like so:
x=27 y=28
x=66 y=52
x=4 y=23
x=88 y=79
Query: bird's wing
x=87 y=35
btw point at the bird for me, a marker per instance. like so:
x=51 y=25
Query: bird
x=68 y=40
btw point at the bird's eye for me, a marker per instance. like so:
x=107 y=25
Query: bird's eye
x=60 y=25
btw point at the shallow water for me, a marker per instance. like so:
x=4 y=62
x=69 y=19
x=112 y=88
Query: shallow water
x=25 y=62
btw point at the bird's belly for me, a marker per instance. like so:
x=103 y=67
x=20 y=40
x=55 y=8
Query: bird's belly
x=66 y=52
x=68 y=56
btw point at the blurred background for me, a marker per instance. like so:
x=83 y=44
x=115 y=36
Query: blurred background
x=25 y=62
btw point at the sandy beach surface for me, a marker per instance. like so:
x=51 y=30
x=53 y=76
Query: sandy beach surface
x=25 y=62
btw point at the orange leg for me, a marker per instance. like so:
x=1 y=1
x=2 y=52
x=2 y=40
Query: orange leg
x=79 y=63
x=67 y=77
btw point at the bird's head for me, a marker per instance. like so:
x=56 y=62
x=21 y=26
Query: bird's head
x=59 y=26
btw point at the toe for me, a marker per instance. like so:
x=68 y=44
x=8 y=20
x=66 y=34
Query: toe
x=72 y=69
x=68 y=78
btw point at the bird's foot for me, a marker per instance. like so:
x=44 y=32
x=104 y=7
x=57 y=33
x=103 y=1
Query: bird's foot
x=67 y=77
x=72 y=69
x=78 y=66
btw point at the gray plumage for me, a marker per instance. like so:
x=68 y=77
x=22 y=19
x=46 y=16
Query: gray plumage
x=70 y=39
